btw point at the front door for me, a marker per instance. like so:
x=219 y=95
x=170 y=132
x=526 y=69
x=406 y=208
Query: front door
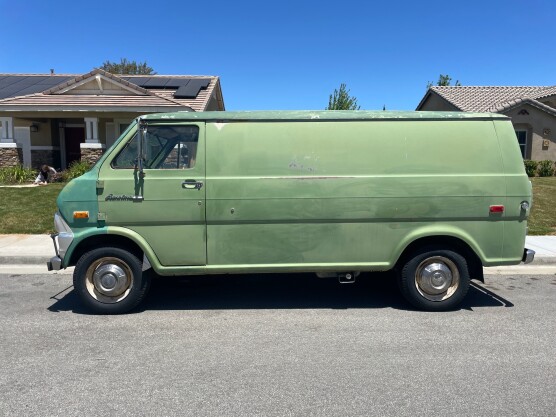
x=167 y=206
x=73 y=137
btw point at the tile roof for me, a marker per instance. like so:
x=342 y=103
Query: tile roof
x=488 y=98
x=47 y=91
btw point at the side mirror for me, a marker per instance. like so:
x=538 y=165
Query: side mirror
x=142 y=131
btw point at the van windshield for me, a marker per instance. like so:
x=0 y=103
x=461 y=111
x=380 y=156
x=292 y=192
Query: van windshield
x=165 y=147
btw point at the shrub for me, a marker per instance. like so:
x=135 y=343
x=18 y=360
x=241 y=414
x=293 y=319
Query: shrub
x=16 y=175
x=531 y=167
x=546 y=168
x=76 y=169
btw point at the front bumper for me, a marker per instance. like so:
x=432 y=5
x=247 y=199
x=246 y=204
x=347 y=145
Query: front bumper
x=528 y=256
x=62 y=240
x=55 y=263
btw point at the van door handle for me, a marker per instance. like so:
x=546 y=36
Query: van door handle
x=192 y=185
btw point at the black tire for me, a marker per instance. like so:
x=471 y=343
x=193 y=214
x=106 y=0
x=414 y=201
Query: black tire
x=109 y=280
x=434 y=279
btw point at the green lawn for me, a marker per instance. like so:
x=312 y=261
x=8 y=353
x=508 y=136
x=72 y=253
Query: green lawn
x=31 y=210
x=543 y=215
x=28 y=210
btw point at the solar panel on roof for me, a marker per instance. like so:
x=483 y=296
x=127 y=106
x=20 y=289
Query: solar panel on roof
x=40 y=79
x=139 y=81
x=31 y=90
x=24 y=83
x=191 y=89
x=16 y=78
x=157 y=82
x=54 y=81
x=5 y=83
x=19 y=85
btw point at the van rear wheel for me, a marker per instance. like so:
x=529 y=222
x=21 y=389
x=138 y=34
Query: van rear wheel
x=110 y=280
x=434 y=279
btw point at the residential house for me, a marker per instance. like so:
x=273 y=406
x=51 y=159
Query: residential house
x=532 y=110
x=57 y=119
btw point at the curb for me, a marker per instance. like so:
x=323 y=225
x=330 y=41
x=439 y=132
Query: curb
x=544 y=260
x=24 y=260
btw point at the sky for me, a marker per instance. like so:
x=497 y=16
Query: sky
x=291 y=55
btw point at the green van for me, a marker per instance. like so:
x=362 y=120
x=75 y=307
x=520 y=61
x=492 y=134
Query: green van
x=434 y=196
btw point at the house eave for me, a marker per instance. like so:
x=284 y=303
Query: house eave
x=521 y=102
x=94 y=109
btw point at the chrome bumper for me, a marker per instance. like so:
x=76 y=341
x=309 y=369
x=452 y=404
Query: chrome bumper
x=528 y=256
x=62 y=240
x=55 y=263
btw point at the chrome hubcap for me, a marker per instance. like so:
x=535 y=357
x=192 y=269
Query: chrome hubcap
x=437 y=278
x=109 y=280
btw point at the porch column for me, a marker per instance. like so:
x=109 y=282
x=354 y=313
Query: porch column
x=92 y=149
x=10 y=153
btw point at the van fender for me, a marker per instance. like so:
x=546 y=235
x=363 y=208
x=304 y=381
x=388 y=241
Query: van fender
x=431 y=232
x=139 y=241
x=93 y=237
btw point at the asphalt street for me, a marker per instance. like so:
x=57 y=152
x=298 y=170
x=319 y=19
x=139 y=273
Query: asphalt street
x=289 y=345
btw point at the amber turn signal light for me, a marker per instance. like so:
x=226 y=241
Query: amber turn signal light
x=80 y=214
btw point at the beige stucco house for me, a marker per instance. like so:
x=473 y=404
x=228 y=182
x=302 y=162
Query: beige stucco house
x=55 y=119
x=532 y=110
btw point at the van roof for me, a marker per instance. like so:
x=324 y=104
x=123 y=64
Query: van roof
x=325 y=115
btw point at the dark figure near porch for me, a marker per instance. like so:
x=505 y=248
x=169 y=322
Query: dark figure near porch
x=46 y=175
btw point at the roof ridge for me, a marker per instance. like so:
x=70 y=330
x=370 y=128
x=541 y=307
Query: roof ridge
x=490 y=86
x=90 y=74
x=167 y=75
x=35 y=74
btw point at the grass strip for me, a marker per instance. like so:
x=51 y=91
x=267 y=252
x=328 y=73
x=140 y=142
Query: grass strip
x=28 y=210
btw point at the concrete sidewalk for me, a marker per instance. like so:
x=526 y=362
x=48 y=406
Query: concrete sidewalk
x=38 y=249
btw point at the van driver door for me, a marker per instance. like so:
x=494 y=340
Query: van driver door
x=165 y=204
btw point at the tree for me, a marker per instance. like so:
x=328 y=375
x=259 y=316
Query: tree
x=444 y=80
x=127 y=67
x=341 y=100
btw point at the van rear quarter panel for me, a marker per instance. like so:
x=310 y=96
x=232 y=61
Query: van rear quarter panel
x=518 y=189
x=356 y=192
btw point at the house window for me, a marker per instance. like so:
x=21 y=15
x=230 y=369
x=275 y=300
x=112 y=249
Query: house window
x=122 y=128
x=522 y=140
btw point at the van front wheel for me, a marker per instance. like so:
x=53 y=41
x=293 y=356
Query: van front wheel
x=435 y=279
x=109 y=280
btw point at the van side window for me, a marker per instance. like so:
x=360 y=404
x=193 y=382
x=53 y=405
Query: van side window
x=166 y=147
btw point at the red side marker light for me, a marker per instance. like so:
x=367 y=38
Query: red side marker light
x=496 y=209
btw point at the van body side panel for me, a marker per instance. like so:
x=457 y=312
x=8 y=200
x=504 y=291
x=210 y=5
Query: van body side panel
x=170 y=218
x=333 y=192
